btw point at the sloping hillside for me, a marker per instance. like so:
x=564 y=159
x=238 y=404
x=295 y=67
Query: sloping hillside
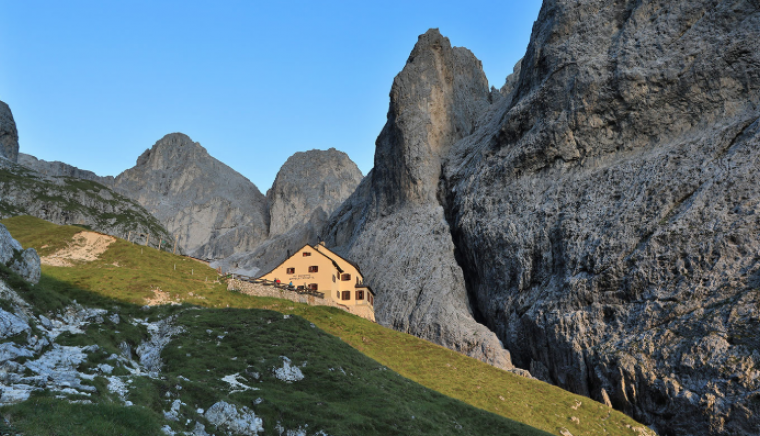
x=69 y=200
x=129 y=273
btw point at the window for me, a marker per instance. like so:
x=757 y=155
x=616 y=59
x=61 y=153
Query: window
x=313 y=268
x=333 y=278
x=345 y=277
x=371 y=299
x=312 y=286
x=360 y=295
x=306 y=254
x=337 y=295
x=346 y=295
x=291 y=271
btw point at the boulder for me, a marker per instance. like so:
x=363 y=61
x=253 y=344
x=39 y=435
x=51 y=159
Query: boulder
x=8 y=134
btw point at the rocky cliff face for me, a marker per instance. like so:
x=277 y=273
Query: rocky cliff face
x=60 y=169
x=215 y=211
x=25 y=263
x=8 y=134
x=394 y=225
x=601 y=210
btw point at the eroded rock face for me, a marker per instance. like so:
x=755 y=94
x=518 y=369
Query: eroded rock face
x=215 y=211
x=607 y=224
x=599 y=215
x=394 y=225
x=8 y=134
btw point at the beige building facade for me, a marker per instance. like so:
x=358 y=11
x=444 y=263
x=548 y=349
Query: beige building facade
x=317 y=269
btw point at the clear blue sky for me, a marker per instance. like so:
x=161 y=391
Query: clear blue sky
x=95 y=83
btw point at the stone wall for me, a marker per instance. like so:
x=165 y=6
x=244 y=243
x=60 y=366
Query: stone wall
x=261 y=290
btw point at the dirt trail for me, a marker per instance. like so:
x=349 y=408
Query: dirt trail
x=84 y=246
x=161 y=297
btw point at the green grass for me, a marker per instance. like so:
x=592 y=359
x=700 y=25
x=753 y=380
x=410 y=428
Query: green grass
x=66 y=194
x=343 y=391
x=532 y=402
x=45 y=415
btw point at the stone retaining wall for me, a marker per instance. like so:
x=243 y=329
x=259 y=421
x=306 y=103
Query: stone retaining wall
x=260 y=290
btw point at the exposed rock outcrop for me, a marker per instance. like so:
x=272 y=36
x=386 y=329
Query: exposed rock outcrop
x=60 y=169
x=602 y=210
x=24 y=262
x=215 y=211
x=8 y=134
x=68 y=200
x=607 y=223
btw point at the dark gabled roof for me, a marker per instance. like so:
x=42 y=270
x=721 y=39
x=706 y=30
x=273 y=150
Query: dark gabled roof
x=340 y=270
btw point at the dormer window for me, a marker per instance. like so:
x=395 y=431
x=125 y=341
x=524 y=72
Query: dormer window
x=313 y=269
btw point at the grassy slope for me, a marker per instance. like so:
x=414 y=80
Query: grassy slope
x=536 y=403
x=65 y=195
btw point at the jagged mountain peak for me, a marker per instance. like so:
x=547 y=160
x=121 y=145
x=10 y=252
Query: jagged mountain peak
x=214 y=210
x=434 y=101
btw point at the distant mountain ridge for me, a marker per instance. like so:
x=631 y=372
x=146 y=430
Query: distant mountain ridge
x=217 y=214
x=60 y=169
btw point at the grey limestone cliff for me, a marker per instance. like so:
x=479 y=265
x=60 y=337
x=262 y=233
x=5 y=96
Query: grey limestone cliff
x=607 y=223
x=602 y=212
x=60 y=169
x=394 y=226
x=8 y=134
x=214 y=210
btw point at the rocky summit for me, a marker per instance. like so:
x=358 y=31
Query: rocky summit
x=395 y=224
x=8 y=134
x=212 y=209
x=598 y=215
x=315 y=181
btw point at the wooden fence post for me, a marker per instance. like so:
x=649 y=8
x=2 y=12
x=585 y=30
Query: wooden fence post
x=147 y=241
